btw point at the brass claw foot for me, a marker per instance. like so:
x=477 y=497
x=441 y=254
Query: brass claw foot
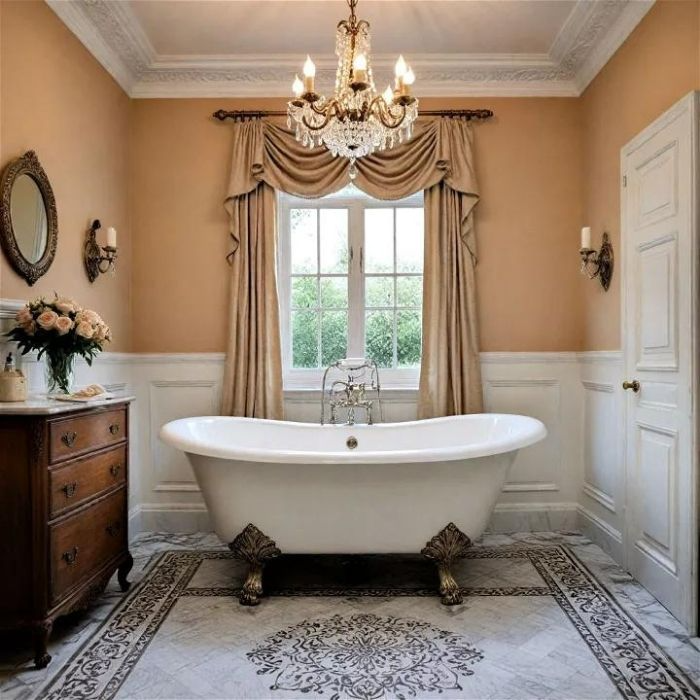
x=255 y=548
x=447 y=546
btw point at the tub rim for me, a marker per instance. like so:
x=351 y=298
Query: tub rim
x=534 y=431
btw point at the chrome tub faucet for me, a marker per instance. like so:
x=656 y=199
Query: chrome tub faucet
x=350 y=394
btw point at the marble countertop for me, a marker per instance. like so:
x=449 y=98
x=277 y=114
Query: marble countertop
x=39 y=405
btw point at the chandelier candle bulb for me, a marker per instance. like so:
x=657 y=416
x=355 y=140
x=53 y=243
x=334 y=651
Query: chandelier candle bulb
x=388 y=95
x=586 y=238
x=409 y=78
x=400 y=72
x=297 y=87
x=400 y=67
x=309 y=74
x=359 y=68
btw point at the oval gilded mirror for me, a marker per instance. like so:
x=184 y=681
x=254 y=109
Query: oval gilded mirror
x=28 y=223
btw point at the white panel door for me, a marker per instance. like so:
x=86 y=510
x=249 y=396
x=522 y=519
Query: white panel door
x=659 y=218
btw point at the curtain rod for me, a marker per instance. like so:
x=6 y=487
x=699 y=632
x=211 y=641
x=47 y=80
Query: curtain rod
x=468 y=114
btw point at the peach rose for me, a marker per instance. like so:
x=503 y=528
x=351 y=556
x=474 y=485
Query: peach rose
x=65 y=305
x=47 y=319
x=91 y=317
x=24 y=315
x=29 y=328
x=63 y=325
x=84 y=329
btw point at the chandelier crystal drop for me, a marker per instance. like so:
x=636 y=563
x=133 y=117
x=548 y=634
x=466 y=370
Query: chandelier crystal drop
x=356 y=121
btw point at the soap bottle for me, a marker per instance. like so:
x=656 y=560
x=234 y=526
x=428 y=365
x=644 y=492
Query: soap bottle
x=9 y=363
x=13 y=384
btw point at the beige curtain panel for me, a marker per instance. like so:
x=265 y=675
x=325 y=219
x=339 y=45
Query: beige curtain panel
x=438 y=160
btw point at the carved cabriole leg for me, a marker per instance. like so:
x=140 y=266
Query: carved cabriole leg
x=123 y=572
x=255 y=548
x=447 y=546
x=41 y=632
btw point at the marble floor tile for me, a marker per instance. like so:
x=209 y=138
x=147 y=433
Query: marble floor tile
x=530 y=650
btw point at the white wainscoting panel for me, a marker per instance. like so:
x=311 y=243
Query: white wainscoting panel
x=573 y=479
x=541 y=493
x=167 y=387
x=169 y=400
x=538 y=468
x=601 y=501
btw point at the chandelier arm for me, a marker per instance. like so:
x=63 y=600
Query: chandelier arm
x=399 y=120
x=330 y=110
x=397 y=124
x=323 y=112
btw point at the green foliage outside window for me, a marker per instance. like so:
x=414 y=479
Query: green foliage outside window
x=319 y=304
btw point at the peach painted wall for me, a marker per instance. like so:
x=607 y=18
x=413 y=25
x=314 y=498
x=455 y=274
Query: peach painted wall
x=546 y=167
x=529 y=166
x=56 y=99
x=657 y=65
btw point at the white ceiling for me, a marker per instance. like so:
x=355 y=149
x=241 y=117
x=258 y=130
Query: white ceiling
x=281 y=27
x=181 y=48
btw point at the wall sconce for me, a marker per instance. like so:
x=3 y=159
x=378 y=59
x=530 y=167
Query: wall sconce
x=597 y=263
x=99 y=259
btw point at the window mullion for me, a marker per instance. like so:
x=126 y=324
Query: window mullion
x=395 y=358
x=319 y=315
x=356 y=329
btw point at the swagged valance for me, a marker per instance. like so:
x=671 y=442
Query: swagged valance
x=439 y=150
x=439 y=161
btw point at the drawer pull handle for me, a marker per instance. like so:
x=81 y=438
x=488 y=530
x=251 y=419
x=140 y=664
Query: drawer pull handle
x=71 y=556
x=114 y=528
x=70 y=489
x=115 y=469
x=68 y=439
x=114 y=428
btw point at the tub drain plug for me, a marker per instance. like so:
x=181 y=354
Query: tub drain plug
x=351 y=442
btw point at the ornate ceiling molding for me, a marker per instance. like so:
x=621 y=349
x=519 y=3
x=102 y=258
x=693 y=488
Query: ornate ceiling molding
x=589 y=37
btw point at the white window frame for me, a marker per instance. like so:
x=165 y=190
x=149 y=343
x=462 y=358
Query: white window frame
x=297 y=378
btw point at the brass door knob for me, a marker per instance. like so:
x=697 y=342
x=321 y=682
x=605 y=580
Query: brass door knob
x=634 y=385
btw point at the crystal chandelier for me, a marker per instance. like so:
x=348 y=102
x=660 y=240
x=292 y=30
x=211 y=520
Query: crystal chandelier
x=356 y=121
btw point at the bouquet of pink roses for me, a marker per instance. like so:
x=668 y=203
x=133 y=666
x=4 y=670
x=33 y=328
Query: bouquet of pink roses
x=61 y=330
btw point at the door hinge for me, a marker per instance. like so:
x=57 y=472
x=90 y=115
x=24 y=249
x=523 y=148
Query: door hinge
x=624 y=180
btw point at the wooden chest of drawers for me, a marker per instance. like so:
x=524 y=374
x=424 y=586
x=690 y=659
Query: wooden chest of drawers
x=63 y=511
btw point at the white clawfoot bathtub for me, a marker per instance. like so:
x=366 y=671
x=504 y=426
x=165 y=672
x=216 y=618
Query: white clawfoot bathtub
x=304 y=487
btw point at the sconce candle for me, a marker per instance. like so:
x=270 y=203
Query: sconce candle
x=111 y=237
x=586 y=238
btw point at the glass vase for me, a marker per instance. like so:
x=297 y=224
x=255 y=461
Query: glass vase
x=59 y=373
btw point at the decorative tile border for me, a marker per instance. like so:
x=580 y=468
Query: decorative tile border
x=635 y=664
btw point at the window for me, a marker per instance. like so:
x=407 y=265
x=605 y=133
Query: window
x=351 y=285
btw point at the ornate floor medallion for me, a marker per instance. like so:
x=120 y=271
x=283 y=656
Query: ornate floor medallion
x=365 y=657
x=181 y=624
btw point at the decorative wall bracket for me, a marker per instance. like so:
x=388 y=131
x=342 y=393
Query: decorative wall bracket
x=97 y=259
x=599 y=263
